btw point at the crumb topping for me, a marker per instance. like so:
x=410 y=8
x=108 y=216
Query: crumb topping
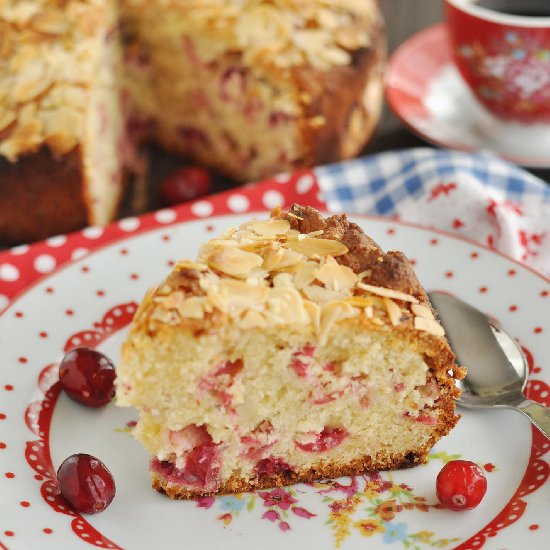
x=277 y=272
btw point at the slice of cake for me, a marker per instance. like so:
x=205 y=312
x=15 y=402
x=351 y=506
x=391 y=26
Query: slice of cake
x=63 y=146
x=293 y=349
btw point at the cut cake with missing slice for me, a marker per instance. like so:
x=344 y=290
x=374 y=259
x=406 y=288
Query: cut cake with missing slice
x=293 y=349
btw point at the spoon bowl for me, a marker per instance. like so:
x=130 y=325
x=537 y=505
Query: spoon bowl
x=497 y=369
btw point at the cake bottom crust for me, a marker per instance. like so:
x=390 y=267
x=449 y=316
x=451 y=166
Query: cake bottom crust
x=320 y=471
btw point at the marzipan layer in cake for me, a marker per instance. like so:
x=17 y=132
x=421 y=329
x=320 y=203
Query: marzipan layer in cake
x=292 y=349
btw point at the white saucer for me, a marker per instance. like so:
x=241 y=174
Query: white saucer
x=425 y=90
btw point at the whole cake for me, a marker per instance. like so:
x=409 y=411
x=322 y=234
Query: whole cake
x=248 y=87
x=292 y=349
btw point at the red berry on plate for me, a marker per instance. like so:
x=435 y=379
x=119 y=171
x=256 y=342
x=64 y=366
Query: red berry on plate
x=86 y=483
x=186 y=184
x=88 y=376
x=461 y=485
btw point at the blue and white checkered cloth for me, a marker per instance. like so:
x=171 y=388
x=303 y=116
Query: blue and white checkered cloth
x=478 y=196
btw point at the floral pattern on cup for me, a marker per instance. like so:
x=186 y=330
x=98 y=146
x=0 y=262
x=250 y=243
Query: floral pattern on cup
x=515 y=79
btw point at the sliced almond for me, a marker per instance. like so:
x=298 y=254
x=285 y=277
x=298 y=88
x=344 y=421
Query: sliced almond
x=283 y=280
x=287 y=305
x=369 y=312
x=276 y=259
x=428 y=325
x=270 y=228
x=314 y=312
x=235 y=296
x=253 y=319
x=193 y=307
x=394 y=311
x=422 y=311
x=233 y=261
x=388 y=293
x=318 y=247
x=335 y=276
x=173 y=300
x=188 y=264
x=305 y=274
x=321 y=294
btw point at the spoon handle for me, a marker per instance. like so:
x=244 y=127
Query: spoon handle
x=538 y=414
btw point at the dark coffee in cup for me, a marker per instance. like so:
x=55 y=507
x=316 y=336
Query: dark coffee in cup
x=528 y=8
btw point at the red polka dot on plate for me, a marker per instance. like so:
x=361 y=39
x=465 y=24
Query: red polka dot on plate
x=47 y=530
x=49 y=290
x=483 y=289
x=8 y=273
x=512 y=272
x=100 y=293
x=9 y=533
x=433 y=242
x=390 y=231
x=43 y=334
x=45 y=263
x=9 y=475
x=134 y=276
x=202 y=209
x=22 y=360
x=19 y=314
x=129 y=224
x=93 y=232
x=543 y=293
x=58 y=240
x=537 y=330
x=513 y=308
x=166 y=238
x=25 y=504
x=449 y=274
x=272 y=198
x=79 y=253
x=2 y=445
x=123 y=251
x=533 y=527
x=304 y=183
x=69 y=312
x=474 y=255
x=165 y=216
x=238 y=203
x=8 y=387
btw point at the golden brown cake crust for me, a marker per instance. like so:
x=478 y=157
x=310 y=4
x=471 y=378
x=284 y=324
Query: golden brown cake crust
x=41 y=195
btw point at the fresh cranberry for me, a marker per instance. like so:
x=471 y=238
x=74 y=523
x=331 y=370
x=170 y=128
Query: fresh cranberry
x=272 y=466
x=328 y=439
x=86 y=483
x=461 y=485
x=88 y=376
x=186 y=184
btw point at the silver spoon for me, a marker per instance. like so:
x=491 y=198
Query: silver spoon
x=497 y=369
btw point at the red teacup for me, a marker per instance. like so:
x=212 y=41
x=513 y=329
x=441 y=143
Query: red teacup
x=503 y=57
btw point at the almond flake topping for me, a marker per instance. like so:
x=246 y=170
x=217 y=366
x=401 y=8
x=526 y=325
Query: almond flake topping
x=388 y=293
x=269 y=228
x=422 y=311
x=335 y=276
x=394 y=311
x=428 y=325
x=318 y=247
x=233 y=261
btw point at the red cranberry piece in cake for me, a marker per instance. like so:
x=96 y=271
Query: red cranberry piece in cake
x=461 y=485
x=186 y=184
x=190 y=437
x=87 y=376
x=86 y=483
x=257 y=442
x=322 y=442
x=272 y=466
x=301 y=359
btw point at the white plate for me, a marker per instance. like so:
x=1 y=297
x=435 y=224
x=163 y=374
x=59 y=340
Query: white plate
x=425 y=90
x=91 y=300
